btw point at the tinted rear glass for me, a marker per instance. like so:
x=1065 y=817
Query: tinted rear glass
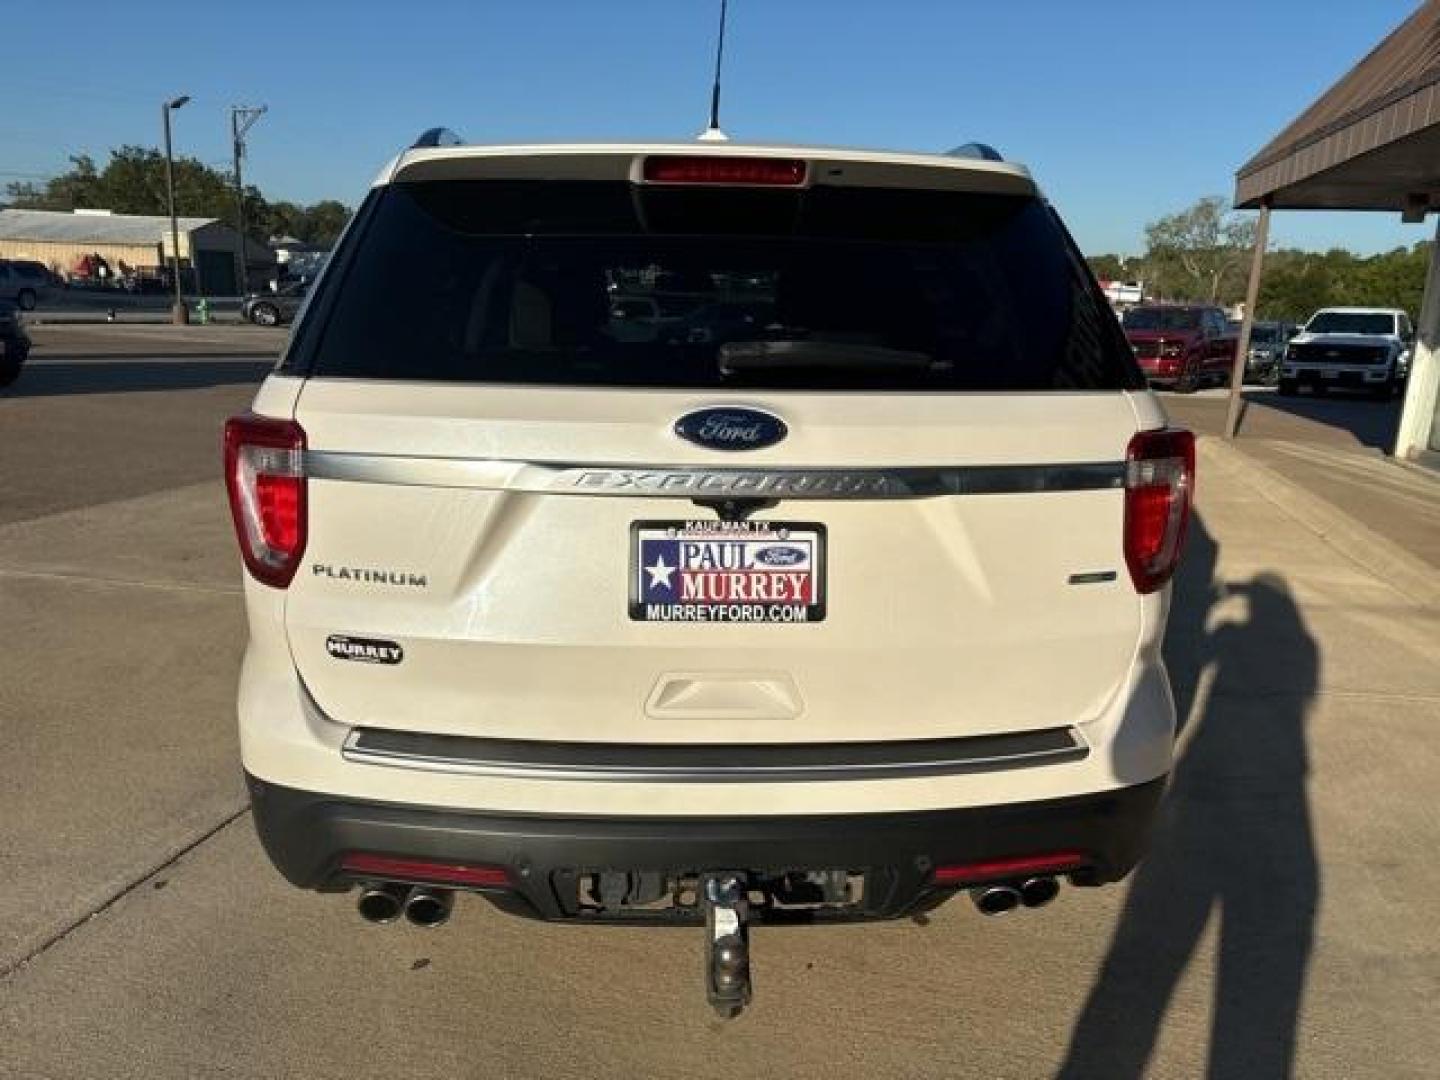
x=603 y=284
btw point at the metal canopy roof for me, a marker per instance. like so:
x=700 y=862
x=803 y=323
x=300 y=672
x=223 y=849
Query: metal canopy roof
x=60 y=226
x=1370 y=142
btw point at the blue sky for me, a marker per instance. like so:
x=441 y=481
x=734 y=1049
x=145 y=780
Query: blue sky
x=1124 y=110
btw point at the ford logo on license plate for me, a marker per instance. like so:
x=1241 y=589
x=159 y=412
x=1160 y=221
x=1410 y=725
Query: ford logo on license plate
x=731 y=429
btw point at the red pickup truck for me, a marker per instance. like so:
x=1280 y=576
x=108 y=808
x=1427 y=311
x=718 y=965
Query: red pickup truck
x=1184 y=346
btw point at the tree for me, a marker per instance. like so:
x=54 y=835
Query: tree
x=133 y=182
x=1204 y=247
x=1110 y=267
x=319 y=223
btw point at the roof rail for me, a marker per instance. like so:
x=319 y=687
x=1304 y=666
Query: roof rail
x=978 y=150
x=436 y=136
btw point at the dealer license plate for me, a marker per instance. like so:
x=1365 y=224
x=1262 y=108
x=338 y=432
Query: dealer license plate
x=727 y=571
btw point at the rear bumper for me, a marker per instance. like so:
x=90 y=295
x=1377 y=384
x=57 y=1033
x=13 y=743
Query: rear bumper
x=306 y=834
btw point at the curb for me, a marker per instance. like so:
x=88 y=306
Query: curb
x=1414 y=578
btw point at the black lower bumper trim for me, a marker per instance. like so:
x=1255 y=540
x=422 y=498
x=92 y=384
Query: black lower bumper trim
x=306 y=834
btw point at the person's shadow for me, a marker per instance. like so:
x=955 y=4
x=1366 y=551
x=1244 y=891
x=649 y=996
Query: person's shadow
x=1233 y=842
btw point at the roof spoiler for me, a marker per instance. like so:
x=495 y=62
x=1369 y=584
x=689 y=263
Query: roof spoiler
x=436 y=136
x=977 y=150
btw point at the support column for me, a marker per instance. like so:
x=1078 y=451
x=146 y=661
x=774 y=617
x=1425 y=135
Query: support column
x=1418 y=416
x=1252 y=296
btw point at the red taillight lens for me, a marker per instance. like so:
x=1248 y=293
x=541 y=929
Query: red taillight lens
x=761 y=172
x=1159 y=487
x=1055 y=862
x=265 y=479
x=423 y=870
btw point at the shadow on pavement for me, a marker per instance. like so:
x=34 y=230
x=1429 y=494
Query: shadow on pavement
x=1371 y=423
x=1233 y=844
x=57 y=378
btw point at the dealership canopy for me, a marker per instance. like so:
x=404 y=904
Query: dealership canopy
x=1370 y=142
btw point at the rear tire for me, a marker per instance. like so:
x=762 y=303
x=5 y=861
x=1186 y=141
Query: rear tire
x=11 y=361
x=265 y=315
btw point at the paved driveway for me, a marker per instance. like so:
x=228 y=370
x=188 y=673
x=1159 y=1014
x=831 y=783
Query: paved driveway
x=1286 y=917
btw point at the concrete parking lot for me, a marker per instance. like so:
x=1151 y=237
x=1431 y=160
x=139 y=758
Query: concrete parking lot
x=1283 y=923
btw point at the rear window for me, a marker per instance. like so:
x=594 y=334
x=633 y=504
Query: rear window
x=583 y=283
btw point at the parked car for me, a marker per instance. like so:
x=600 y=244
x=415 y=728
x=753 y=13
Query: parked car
x=25 y=282
x=1351 y=348
x=1268 y=341
x=14 y=343
x=833 y=622
x=1183 y=346
x=275 y=308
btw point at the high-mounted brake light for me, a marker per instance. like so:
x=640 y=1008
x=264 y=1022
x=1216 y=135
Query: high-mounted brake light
x=426 y=871
x=265 y=479
x=1159 y=488
x=756 y=172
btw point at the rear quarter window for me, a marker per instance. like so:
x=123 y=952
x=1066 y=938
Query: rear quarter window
x=600 y=284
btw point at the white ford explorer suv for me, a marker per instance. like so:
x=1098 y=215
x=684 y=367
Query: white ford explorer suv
x=846 y=604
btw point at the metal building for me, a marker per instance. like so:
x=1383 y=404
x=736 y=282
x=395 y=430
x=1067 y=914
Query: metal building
x=61 y=239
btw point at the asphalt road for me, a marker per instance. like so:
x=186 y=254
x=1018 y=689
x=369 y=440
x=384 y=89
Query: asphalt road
x=142 y=933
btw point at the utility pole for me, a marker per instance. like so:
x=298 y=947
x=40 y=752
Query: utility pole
x=179 y=314
x=242 y=118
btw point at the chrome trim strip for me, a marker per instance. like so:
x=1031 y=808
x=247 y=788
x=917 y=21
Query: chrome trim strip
x=700 y=482
x=475 y=763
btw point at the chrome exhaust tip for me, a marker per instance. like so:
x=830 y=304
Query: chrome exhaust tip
x=429 y=907
x=381 y=904
x=995 y=899
x=1038 y=891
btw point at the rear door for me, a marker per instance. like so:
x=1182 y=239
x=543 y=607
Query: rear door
x=891 y=511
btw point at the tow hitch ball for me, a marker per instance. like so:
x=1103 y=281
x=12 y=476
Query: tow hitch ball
x=727 y=942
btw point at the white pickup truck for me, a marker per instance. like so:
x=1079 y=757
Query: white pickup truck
x=1350 y=348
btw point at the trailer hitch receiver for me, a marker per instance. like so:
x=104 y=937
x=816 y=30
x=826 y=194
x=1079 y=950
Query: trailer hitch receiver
x=727 y=942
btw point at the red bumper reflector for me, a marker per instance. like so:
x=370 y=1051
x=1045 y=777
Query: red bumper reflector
x=764 y=172
x=1056 y=862
x=423 y=870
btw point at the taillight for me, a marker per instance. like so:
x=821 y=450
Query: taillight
x=688 y=169
x=1159 y=485
x=265 y=479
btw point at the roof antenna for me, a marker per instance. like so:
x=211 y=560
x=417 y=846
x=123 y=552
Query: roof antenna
x=713 y=132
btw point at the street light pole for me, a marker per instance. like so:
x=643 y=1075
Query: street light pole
x=241 y=119
x=179 y=314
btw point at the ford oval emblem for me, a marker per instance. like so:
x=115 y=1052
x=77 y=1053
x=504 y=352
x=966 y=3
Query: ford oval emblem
x=780 y=556
x=731 y=429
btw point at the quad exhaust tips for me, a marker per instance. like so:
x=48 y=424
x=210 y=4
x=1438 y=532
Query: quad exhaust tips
x=995 y=899
x=382 y=904
x=1038 y=891
x=421 y=906
x=1003 y=898
x=429 y=907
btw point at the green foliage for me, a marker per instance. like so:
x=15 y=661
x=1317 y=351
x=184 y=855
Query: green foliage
x=1112 y=267
x=1203 y=254
x=1200 y=252
x=1297 y=283
x=133 y=182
